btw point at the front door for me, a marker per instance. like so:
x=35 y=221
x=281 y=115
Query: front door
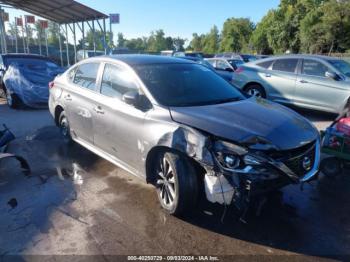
x=315 y=90
x=118 y=126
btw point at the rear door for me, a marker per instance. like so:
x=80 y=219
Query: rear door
x=315 y=90
x=79 y=100
x=281 y=79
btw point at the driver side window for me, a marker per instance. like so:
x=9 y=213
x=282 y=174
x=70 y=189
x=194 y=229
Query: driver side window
x=116 y=81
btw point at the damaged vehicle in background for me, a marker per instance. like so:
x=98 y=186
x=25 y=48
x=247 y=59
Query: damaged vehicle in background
x=184 y=129
x=25 y=79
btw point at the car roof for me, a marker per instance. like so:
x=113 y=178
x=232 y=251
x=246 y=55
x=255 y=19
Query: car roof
x=18 y=55
x=299 y=56
x=145 y=59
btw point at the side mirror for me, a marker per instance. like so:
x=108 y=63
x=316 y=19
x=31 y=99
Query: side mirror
x=332 y=75
x=228 y=69
x=131 y=97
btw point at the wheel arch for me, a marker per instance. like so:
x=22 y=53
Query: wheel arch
x=186 y=142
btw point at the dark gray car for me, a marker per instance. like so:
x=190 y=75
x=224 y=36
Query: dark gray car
x=309 y=81
x=181 y=127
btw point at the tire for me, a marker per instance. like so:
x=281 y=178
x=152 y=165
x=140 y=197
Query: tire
x=2 y=91
x=255 y=90
x=331 y=167
x=13 y=100
x=176 y=183
x=63 y=125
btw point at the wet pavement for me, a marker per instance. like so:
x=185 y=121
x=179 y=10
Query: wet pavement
x=75 y=203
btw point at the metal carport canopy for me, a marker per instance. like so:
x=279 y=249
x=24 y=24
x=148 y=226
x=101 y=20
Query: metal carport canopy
x=59 y=11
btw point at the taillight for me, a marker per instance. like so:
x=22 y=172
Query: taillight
x=239 y=70
x=51 y=84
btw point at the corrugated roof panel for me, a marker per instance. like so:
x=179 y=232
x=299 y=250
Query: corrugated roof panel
x=60 y=11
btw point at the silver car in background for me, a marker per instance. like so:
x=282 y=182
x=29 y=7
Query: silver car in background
x=314 y=82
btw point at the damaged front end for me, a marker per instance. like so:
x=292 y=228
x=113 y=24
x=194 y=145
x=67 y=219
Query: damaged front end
x=244 y=172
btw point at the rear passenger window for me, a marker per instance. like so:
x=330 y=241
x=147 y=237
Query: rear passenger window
x=285 y=65
x=86 y=74
x=117 y=81
x=266 y=64
x=314 y=68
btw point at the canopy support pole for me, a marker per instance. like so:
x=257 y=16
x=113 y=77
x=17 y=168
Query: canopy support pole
x=67 y=45
x=104 y=36
x=60 y=43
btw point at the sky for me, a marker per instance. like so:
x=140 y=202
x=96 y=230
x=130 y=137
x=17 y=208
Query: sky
x=176 y=17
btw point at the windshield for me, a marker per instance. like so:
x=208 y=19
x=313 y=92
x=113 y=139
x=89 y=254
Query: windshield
x=181 y=85
x=33 y=63
x=342 y=66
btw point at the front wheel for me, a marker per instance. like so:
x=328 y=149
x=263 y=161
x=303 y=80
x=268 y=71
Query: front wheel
x=176 y=183
x=331 y=167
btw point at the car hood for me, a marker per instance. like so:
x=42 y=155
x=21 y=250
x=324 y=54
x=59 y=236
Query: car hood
x=253 y=122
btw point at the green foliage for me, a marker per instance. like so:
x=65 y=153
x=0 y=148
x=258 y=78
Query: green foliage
x=211 y=41
x=236 y=34
x=312 y=26
x=155 y=43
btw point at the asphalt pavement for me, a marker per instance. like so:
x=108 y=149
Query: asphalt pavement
x=75 y=203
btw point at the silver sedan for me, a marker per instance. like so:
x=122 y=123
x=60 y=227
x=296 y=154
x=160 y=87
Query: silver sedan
x=315 y=82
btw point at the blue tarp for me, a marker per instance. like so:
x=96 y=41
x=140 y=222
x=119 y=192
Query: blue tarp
x=28 y=79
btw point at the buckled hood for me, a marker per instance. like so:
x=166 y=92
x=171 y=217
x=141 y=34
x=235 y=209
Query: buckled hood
x=251 y=121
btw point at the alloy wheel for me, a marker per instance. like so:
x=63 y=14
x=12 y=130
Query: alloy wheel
x=254 y=92
x=166 y=183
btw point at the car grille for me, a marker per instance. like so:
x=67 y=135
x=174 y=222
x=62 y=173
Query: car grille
x=300 y=160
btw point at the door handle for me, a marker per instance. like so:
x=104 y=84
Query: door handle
x=99 y=110
x=303 y=81
x=68 y=98
x=267 y=75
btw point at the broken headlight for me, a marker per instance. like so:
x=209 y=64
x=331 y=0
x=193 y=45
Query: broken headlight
x=231 y=156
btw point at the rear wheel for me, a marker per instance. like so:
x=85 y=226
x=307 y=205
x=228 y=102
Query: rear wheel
x=255 y=90
x=176 y=183
x=331 y=167
x=13 y=100
x=63 y=124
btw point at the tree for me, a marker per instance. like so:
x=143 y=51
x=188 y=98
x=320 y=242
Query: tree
x=53 y=34
x=236 y=34
x=121 y=40
x=157 y=41
x=211 y=41
x=259 y=39
x=179 y=43
x=326 y=28
x=197 y=42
